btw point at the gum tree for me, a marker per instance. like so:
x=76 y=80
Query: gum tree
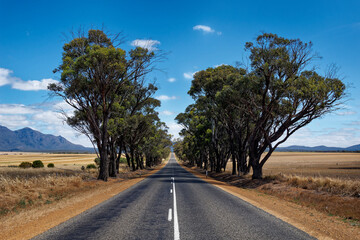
x=94 y=74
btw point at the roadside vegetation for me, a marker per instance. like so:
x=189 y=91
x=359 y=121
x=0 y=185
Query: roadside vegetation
x=112 y=100
x=333 y=196
x=23 y=189
x=244 y=114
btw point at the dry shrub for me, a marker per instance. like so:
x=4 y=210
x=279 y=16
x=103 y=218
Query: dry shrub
x=29 y=187
x=325 y=202
x=333 y=186
x=332 y=196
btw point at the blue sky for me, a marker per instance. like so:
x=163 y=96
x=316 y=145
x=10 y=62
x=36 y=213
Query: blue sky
x=197 y=35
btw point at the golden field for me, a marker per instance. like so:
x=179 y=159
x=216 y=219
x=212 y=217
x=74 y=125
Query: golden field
x=60 y=160
x=312 y=164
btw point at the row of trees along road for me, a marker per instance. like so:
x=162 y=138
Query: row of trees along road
x=245 y=114
x=113 y=103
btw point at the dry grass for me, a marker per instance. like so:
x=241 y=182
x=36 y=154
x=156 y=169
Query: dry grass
x=333 y=196
x=60 y=160
x=24 y=188
x=328 y=182
x=341 y=187
x=312 y=164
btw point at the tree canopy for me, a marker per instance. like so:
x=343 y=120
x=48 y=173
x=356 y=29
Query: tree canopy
x=113 y=106
x=248 y=113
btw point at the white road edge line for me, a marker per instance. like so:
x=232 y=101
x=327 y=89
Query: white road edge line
x=176 y=222
x=170 y=215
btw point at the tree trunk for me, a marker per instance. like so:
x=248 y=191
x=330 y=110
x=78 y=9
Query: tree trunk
x=112 y=167
x=256 y=166
x=104 y=161
x=234 y=164
x=257 y=172
x=104 y=164
x=132 y=158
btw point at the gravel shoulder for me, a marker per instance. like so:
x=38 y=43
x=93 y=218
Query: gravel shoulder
x=27 y=224
x=317 y=224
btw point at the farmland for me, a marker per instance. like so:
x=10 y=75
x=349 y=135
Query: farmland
x=60 y=160
x=312 y=164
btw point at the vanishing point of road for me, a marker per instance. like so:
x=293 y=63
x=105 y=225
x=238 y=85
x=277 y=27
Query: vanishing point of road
x=174 y=204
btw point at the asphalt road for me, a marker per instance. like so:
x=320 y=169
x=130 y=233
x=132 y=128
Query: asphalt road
x=174 y=204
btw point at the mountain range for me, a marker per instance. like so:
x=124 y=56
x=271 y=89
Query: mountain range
x=29 y=140
x=296 y=148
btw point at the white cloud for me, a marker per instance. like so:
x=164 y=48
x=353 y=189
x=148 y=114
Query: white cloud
x=33 y=85
x=5 y=76
x=171 y=80
x=165 y=97
x=342 y=137
x=63 y=106
x=16 y=109
x=14 y=121
x=222 y=64
x=49 y=117
x=189 y=75
x=42 y=117
x=17 y=83
x=205 y=29
x=145 y=43
x=174 y=129
x=167 y=113
x=355 y=123
x=347 y=113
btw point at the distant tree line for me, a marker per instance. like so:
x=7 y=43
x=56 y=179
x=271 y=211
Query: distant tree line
x=113 y=103
x=244 y=114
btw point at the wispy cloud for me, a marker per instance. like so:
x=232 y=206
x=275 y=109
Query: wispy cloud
x=171 y=80
x=167 y=113
x=205 y=29
x=14 y=121
x=343 y=137
x=19 y=84
x=174 y=129
x=165 y=97
x=346 y=113
x=189 y=75
x=16 y=109
x=146 y=43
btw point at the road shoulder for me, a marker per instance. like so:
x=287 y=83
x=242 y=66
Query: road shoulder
x=314 y=223
x=28 y=224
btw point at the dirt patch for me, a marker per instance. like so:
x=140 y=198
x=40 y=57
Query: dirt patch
x=306 y=218
x=33 y=221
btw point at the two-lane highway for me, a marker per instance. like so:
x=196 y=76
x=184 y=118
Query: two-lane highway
x=174 y=204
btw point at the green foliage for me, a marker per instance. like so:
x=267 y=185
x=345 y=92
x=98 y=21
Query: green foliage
x=37 y=164
x=242 y=113
x=123 y=160
x=97 y=161
x=25 y=165
x=50 y=165
x=106 y=86
x=91 y=166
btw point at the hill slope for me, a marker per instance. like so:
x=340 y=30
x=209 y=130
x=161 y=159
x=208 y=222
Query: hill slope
x=29 y=140
x=296 y=148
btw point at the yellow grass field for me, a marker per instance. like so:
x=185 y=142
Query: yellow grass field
x=60 y=160
x=334 y=165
